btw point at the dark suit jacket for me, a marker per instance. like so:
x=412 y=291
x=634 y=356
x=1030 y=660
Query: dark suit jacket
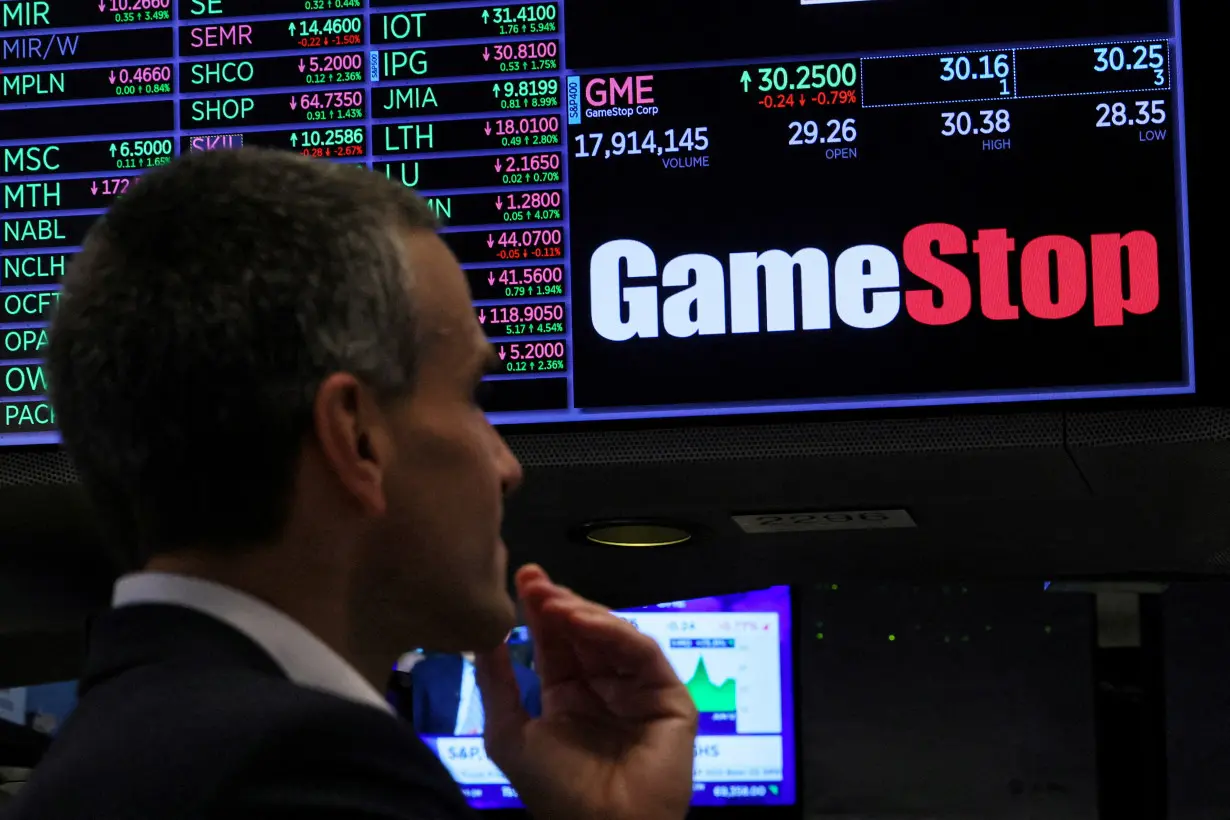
x=183 y=717
x=436 y=693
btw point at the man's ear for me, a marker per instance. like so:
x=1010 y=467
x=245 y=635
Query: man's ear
x=352 y=431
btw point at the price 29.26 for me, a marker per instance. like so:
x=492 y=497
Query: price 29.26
x=832 y=132
x=632 y=143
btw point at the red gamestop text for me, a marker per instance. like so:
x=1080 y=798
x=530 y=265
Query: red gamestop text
x=1058 y=276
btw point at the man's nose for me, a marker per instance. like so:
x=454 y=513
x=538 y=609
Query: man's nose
x=511 y=472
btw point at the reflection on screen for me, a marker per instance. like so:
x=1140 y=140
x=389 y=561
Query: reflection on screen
x=732 y=652
x=41 y=708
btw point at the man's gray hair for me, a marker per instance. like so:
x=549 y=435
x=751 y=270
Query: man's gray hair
x=200 y=318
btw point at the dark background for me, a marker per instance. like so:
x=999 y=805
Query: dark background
x=983 y=705
x=151 y=117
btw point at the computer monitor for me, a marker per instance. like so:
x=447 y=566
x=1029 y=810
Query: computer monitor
x=734 y=653
x=671 y=209
x=43 y=708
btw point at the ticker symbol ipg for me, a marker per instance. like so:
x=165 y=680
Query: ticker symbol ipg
x=629 y=95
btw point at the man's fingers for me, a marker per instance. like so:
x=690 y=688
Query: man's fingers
x=532 y=593
x=497 y=682
x=616 y=646
x=554 y=659
x=576 y=638
x=567 y=626
x=535 y=588
x=628 y=671
x=529 y=573
x=533 y=582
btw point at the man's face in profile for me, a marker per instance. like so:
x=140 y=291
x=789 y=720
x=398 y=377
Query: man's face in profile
x=439 y=548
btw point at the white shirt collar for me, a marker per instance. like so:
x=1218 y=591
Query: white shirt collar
x=466 y=701
x=305 y=659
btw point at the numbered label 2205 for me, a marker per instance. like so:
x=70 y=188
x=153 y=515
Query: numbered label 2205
x=763 y=523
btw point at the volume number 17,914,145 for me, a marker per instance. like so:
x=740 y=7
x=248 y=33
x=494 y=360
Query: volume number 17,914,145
x=632 y=143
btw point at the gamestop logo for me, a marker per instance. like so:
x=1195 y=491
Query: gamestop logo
x=1059 y=276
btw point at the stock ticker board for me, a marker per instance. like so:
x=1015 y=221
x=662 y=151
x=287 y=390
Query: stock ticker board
x=669 y=209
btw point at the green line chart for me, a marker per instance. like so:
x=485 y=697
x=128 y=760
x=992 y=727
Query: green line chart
x=709 y=696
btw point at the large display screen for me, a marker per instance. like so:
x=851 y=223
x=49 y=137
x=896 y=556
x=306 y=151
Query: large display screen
x=734 y=654
x=670 y=208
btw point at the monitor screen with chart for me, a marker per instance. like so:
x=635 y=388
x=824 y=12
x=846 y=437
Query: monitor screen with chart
x=734 y=653
x=669 y=210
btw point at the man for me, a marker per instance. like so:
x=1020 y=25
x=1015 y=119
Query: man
x=445 y=699
x=265 y=370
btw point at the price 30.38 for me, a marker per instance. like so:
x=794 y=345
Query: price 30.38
x=982 y=123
